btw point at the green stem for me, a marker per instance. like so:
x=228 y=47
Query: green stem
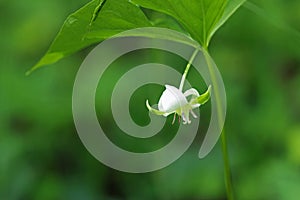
x=227 y=171
x=187 y=68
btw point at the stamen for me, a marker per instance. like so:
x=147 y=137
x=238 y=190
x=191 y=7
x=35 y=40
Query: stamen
x=193 y=114
x=174 y=118
x=183 y=118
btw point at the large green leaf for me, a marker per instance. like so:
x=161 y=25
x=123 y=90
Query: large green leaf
x=231 y=7
x=198 y=17
x=101 y=19
x=109 y=17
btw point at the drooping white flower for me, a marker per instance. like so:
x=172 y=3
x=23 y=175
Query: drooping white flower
x=174 y=101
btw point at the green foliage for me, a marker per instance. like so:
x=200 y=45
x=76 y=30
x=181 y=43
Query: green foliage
x=101 y=19
x=231 y=7
x=199 y=18
x=115 y=16
x=43 y=158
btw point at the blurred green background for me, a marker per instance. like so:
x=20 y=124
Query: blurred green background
x=42 y=156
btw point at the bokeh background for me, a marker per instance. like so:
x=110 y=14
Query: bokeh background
x=42 y=156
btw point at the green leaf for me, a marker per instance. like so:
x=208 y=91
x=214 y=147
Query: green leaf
x=230 y=9
x=159 y=19
x=198 y=17
x=104 y=18
x=164 y=34
x=97 y=10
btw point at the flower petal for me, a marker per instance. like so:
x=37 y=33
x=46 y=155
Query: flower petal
x=191 y=91
x=171 y=100
x=153 y=110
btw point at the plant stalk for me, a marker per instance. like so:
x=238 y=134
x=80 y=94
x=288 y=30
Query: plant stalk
x=227 y=171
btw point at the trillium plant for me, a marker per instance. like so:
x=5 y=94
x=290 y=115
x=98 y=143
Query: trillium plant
x=198 y=19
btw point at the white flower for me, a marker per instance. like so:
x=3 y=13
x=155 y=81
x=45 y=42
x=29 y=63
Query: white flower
x=174 y=101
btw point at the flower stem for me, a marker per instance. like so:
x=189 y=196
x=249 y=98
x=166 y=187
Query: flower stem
x=187 y=69
x=227 y=171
